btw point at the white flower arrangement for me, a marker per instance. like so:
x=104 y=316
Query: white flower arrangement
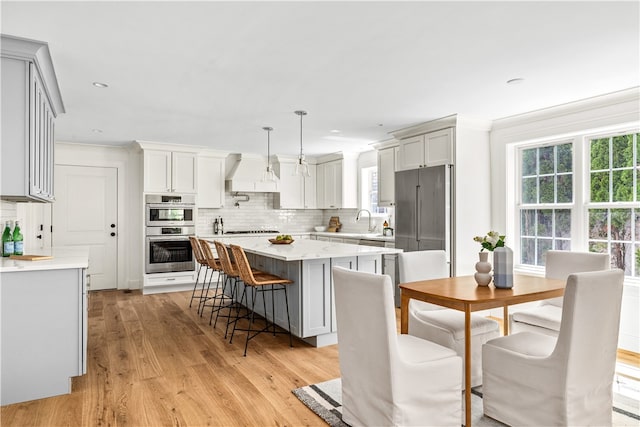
x=492 y=240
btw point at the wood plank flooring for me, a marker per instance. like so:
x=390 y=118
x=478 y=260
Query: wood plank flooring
x=152 y=361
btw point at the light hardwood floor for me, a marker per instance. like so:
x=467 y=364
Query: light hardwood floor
x=153 y=362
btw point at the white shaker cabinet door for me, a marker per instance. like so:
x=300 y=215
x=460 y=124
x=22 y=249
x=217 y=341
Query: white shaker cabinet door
x=157 y=171
x=211 y=182
x=184 y=172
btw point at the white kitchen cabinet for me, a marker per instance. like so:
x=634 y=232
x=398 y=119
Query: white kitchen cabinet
x=211 y=174
x=296 y=191
x=430 y=149
x=170 y=171
x=337 y=184
x=168 y=282
x=30 y=103
x=44 y=339
x=386 y=176
x=316 y=297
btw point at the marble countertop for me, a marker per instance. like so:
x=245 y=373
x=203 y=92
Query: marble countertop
x=63 y=258
x=343 y=235
x=304 y=249
x=359 y=236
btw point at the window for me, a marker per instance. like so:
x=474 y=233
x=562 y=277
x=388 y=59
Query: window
x=613 y=210
x=546 y=201
x=369 y=190
x=566 y=203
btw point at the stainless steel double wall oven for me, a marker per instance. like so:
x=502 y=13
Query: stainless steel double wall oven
x=170 y=220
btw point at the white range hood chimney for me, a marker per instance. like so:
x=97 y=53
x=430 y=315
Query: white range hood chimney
x=245 y=173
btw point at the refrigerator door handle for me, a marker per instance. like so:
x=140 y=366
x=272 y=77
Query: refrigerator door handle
x=417 y=199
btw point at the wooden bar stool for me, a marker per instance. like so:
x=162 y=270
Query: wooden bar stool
x=214 y=266
x=259 y=283
x=202 y=263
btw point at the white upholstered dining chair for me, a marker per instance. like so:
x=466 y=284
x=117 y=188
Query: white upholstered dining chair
x=389 y=379
x=545 y=317
x=438 y=324
x=535 y=379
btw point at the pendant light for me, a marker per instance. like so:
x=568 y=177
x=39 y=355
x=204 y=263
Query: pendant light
x=302 y=168
x=268 y=174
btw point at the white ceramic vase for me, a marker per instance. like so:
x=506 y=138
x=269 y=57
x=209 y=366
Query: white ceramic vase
x=483 y=270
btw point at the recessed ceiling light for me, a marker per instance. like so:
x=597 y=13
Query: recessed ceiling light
x=335 y=131
x=98 y=84
x=96 y=130
x=515 y=81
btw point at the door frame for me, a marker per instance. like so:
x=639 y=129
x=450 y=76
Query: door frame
x=88 y=156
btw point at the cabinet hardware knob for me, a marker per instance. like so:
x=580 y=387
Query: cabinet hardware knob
x=113 y=234
x=113 y=226
x=39 y=236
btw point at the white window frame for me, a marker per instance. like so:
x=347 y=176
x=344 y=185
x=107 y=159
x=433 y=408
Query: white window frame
x=366 y=160
x=581 y=196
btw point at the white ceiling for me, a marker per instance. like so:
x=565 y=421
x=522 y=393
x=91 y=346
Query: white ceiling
x=214 y=73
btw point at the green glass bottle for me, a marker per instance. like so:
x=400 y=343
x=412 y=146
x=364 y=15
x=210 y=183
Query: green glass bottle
x=7 y=241
x=18 y=244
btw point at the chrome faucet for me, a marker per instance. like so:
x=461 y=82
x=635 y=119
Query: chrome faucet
x=371 y=229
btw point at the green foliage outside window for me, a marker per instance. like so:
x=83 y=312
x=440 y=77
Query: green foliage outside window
x=613 y=167
x=547 y=179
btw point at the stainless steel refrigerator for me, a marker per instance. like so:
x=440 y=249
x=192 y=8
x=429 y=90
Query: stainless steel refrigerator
x=423 y=209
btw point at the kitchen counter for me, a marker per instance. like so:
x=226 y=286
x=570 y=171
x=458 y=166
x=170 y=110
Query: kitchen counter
x=339 y=234
x=359 y=236
x=63 y=258
x=303 y=249
x=307 y=263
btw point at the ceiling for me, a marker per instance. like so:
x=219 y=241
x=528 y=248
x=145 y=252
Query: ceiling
x=214 y=73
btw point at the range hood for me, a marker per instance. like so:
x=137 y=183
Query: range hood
x=245 y=173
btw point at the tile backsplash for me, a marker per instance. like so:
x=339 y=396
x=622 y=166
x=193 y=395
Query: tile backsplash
x=258 y=213
x=8 y=212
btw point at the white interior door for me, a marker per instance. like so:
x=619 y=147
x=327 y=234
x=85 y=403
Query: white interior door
x=85 y=214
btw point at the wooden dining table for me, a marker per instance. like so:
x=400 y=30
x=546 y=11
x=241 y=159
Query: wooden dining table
x=463 y=293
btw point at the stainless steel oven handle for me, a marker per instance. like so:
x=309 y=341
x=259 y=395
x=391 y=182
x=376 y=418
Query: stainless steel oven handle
x=168 y=237
x=170 y=206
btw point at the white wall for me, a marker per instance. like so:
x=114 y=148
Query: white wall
x=590 y=115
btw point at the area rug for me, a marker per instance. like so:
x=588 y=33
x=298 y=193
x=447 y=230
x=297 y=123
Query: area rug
x=325 y=399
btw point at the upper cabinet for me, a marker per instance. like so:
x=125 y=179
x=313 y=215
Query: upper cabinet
x=430 y=149
x=170 y=171
x=296 y=191
x=211 y=174
x=387 y=158
x=30 y=103
x=337 y=184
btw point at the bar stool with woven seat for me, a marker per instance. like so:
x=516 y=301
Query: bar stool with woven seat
x=214 y=266
x=202 y=263
x=258 y=284
x=229 y=286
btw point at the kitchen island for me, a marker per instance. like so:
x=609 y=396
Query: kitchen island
x=308 y=264
x=44 y=324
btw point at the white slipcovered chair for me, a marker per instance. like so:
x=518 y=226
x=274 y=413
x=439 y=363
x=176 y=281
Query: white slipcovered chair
x=389 y=379
x=439 y=324
x=545 y=317
x=538 y=380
